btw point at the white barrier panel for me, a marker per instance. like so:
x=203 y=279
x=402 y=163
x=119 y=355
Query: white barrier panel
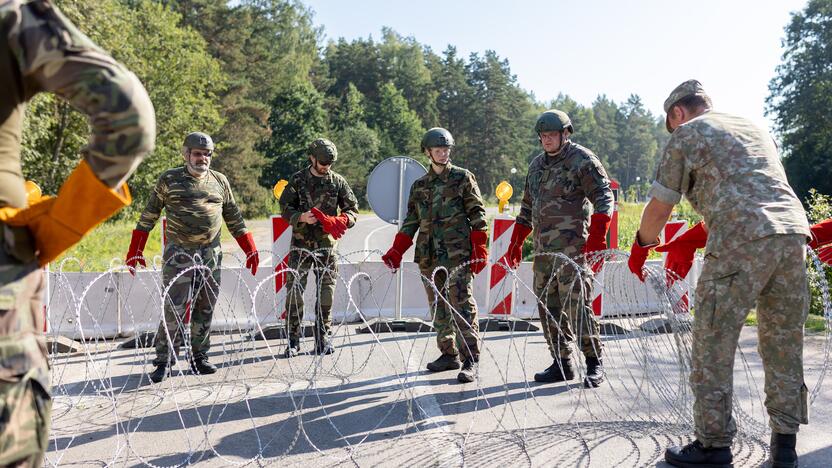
x=119 y=304
x=98 y=314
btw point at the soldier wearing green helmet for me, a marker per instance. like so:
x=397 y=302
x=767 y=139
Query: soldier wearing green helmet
x=565 y=183
x=446 y=207
x=320 y=206
x=196 y=201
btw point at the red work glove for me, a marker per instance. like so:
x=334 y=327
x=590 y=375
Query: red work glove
x=638 y=255
x=134 y=253
x=335 y=226
x=393 y=257
x=515 y=247
x=479 y=251
x=680 y=252
x=821 y=234
x=599 y=223
x=246 y=242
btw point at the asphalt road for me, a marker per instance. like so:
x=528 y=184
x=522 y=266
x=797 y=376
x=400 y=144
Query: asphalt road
x=373 y=404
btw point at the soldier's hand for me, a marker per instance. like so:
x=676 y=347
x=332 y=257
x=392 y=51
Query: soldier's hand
x=308 y=218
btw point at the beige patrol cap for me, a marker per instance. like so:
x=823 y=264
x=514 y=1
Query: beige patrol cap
x=688 y=88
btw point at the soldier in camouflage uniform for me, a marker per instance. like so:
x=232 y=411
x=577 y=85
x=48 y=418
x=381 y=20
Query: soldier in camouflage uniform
x=43 y=52
x=564 y=186
x=196 y=201
x=320 y=206
x=446 y=207
x=730 y=171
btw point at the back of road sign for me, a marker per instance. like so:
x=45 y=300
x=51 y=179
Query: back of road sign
x=390 y=183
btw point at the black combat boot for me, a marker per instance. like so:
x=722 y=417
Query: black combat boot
x=445 y=362
x=201 y=366
x=783 y=453
x=559 y=371
x=594 y=372
x=469 y=371
x=160 y=373
x=324 y=346
x=293 y=348
x=695 y=455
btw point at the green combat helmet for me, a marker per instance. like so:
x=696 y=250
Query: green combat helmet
x=323 y=150
x=553 y=121
x=199 y=140
x=437 y=136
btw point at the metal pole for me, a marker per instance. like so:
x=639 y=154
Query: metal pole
x=399 y=222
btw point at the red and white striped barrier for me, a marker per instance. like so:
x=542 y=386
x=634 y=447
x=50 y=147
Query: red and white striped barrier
x=671 y=231
x=500 y=296
x=281 y=244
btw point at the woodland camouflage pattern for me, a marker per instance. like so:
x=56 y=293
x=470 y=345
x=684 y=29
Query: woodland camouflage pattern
x=730 y=171
x=200 y=287
x=195 y=208
x=560 y=195
x=331 y=194
x=445 y=208
x=41 y=51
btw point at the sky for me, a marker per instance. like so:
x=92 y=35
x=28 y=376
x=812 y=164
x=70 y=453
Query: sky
x=584 y=49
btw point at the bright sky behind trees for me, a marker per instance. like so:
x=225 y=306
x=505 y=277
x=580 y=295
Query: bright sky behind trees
x=595 y=47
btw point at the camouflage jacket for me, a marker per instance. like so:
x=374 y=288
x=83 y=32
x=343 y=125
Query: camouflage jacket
x=445 y=208
x=731 y=172
x=195 y=208
x=331 y=194
x=40 y=50
x=561 y=194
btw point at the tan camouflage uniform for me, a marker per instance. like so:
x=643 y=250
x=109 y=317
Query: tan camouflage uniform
x=333 y=196
x=730 y=171
x=561 y=194
x=195 y=209
x=41 y=51
x=445 y=208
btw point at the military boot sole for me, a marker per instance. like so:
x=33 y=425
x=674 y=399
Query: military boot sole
x=204 y=370
x=325 y=351
x=465 y=377
x=437 y=368
x=698 y=465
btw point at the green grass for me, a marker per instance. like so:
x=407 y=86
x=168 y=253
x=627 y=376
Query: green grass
x=814 y=323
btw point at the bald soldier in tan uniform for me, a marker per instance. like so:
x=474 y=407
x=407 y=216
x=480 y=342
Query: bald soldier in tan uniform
x=730 y=171
x=42 y=51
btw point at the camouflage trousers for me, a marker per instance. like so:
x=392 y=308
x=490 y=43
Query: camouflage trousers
x=770 y=273
x=195 y=291
x=25 y=401
x=565 y=306
x=455 y=313
x=322 y=264
x=24 y=428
